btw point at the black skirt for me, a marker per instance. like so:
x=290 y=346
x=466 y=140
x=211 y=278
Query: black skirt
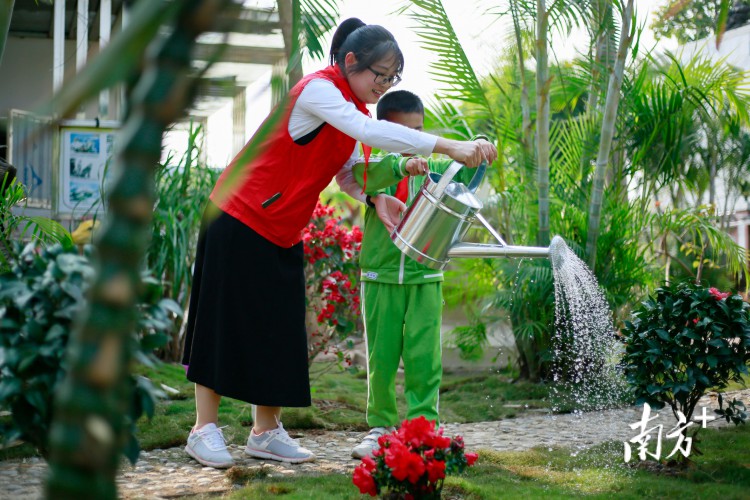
x=245 y=335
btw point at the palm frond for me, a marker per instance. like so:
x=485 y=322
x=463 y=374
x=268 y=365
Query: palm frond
x=697 y=225
x=317 y=18
x=452 y=69
x=444 y=119
x=45 y=230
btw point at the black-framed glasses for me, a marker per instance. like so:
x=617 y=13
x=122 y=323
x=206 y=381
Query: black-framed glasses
x=382 y=79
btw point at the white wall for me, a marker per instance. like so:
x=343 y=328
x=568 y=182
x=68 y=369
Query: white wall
x=26 y=71
x=735 y=50
x=735 y=47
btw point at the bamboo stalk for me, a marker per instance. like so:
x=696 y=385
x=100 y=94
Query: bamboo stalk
x=91 y=422
x=542 y=121
x=608 y=131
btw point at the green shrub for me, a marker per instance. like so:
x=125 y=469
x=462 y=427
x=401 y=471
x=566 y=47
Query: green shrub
x=684 y=341
x=40 y=299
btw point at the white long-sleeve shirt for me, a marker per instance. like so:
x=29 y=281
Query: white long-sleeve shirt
x=321 y=102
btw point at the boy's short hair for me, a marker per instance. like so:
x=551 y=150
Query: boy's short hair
x=399 y=101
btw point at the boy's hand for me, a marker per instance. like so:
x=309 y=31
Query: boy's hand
x=417 y=166
x=389 y=210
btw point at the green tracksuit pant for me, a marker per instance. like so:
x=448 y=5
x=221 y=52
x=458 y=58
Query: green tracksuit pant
x=402 y=321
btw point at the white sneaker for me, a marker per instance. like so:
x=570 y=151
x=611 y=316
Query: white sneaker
x=370 y=443
x=277 y=445
x=208 y=447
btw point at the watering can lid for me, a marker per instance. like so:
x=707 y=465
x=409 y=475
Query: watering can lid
x=445 y=185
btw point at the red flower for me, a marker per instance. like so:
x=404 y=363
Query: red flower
x=440 y=442
x=363 y=480
x=405 y=465
x=717 y=294
x=695 y=321
x=369 y=463
x=435 y=470
x=414 y=460
x=417 y=431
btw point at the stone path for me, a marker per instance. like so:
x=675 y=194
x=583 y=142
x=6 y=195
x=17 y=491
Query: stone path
x=171 y=473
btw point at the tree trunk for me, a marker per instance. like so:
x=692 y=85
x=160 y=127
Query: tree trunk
x=542 y=122
x=90 y=426
x=526 y=137
x=288 y=13
x=608 y=131
x=602 y=37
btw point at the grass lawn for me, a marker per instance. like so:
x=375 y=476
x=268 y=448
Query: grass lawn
x=600 y=473
x=339 y=400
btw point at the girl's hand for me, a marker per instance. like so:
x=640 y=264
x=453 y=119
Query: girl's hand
x=470 y=153
x=389 y=210
x=416 y=166
x=489 y=150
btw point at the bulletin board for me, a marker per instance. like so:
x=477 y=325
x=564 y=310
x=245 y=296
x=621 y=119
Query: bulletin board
x=85 y=157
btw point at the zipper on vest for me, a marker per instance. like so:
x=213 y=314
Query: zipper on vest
x=270 y=200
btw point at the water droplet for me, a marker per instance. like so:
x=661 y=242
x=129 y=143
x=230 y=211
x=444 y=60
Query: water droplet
x=585 y=347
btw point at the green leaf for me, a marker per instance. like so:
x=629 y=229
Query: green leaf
x=653 y=389
x=172 y=306
x=717 y=342
x=663 y=334
x=9 y=387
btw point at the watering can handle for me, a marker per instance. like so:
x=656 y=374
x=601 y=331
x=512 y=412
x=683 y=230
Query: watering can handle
x=478 y=177
x=453 y=169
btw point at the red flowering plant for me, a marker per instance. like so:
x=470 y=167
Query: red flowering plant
x=412 y=462
x=331 y=271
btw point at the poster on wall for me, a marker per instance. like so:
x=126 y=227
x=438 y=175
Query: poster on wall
x=85 y=156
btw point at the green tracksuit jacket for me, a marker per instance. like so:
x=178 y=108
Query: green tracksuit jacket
x=402 y=305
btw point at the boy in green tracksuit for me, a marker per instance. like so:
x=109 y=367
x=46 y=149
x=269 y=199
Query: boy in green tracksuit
x=402 y=300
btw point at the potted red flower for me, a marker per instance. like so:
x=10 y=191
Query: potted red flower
x=412 y=462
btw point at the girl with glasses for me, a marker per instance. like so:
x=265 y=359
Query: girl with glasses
x=245 y=334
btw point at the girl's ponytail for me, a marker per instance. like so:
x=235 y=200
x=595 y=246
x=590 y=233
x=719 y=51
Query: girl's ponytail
x=368 y=42
x=339 y=37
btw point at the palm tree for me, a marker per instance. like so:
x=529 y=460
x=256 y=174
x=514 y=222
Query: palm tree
x=607 y=219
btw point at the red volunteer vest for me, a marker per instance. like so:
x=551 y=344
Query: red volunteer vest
x=277 y=192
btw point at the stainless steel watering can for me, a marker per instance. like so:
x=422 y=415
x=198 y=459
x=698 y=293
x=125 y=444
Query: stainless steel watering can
x=432 y=227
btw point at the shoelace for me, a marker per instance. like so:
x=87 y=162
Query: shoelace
x=214 y=439
x=283 y=436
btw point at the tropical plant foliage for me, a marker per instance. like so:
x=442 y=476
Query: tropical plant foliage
x=18 y=227
x=183 y=188
x=656 y=127
x=40 y=298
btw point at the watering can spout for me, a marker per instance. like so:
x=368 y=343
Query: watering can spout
x=557 y=249
x=481 y=250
